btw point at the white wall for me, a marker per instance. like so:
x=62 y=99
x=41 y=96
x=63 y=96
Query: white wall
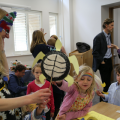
x=65 y=23
x=87 y=19
x=45 y=6
x=117 y=32
x=88 y=16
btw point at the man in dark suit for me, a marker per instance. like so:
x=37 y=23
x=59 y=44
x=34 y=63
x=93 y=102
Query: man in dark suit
x=102 y=54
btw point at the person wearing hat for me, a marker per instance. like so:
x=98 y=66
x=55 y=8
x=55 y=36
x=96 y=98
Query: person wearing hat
x=102 y=54
x=7 y=104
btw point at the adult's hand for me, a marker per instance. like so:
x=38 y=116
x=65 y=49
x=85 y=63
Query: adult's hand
x=40 y=96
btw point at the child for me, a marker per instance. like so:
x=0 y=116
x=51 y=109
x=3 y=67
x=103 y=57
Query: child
x=51 y=42
x=113 y=96
x=62 y=49
x=78 y=98
x=34 y=112
x=36 y=85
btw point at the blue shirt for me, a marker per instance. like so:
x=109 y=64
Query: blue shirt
x=114 y=94
x=108 y=54
x=33 y=116
x=16 y=86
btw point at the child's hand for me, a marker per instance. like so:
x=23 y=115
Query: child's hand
x=113 y=46
x=54 y=83
x=41 y=107
x=51 y=114
x=100 y=94
x=62 y=117
x=59 y=83
x=42 y=30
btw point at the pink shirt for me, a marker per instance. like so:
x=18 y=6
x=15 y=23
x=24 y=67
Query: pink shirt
x=69 y=99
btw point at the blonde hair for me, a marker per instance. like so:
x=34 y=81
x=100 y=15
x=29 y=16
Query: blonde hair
x=54 y=36
x=37 y=65
x=3 y=71
x=82 y=70
x=51 y=42
x=2 y=13
x=28 y=108
x=37 y=38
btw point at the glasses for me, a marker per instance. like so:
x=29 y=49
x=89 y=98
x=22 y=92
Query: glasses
x=6 y=31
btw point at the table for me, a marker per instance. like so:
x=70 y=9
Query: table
x=106 y=109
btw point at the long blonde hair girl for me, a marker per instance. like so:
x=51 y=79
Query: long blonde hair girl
x=82 y=70
x=37 y=38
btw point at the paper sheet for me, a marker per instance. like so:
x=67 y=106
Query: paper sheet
x=42 y=78
x=70 y=80
x=58 y=45
x=103 y=85
x=95 y=116
x=38 y=57
x=74 y=61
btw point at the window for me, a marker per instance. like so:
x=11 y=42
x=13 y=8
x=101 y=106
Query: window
x=53 y=24
x=24 y=25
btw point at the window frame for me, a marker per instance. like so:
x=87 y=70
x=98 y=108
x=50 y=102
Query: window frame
x=56 y=15
x=27 y=29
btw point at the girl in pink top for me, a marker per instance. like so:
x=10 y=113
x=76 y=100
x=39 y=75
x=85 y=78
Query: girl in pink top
x=37 y=85
x=78 y=98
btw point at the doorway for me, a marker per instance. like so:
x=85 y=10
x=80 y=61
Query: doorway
x=109 y=11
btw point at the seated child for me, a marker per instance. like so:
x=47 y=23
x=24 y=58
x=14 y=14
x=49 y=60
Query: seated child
x=113 y=96
x=78 y=98
x=32 y=112
x=37 y=85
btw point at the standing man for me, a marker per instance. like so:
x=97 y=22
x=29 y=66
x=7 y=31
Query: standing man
x=16 y=82
x=102 y=54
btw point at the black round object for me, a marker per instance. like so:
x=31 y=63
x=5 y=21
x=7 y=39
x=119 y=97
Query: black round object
x=82 y=47
x=56 y=65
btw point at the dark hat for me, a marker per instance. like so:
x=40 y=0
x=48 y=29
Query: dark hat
x=82 y=47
